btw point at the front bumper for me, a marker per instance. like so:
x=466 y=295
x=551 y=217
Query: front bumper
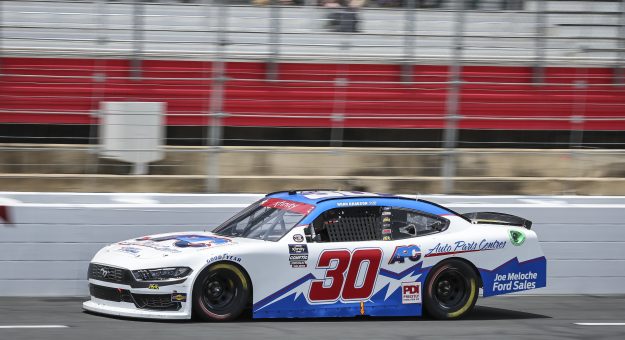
x=168 y=302
x=129 y=310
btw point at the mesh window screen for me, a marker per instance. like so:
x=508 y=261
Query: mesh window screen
x=356 y=228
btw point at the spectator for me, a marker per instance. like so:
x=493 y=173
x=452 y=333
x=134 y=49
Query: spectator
x=350 y=19
x=333 y=18
x=512 y=5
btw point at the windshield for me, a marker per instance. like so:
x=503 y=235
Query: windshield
x=268 y=219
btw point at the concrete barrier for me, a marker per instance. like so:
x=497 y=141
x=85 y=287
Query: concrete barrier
x=262 y=169
x=47 y=239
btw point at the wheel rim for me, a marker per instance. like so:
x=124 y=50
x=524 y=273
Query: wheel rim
x=219 y=291
x=450 y=289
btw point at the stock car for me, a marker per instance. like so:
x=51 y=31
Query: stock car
x=314 y=253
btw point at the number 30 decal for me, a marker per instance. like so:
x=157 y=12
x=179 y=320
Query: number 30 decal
x=346 y=286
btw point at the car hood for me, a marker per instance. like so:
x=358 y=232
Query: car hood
x=171 y=245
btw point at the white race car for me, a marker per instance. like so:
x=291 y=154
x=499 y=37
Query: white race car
x=314 y=253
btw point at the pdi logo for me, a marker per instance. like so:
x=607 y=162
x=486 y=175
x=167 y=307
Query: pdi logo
x=410 y=292
x=5 y=217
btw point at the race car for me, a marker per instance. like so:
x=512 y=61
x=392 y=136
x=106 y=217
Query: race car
x=317 y=253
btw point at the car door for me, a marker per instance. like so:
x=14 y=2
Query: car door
x=348 y=254
x=368 y=260
x=362 y=260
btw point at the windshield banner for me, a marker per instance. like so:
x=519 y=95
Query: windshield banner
x=301 y=208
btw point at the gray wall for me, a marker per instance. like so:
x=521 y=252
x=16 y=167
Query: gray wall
x=45 y=249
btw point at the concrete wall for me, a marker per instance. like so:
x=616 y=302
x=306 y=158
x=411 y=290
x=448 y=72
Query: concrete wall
x=28 y=167
x=47 y=239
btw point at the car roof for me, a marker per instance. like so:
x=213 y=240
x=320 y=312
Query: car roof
x=314 y=196
x=342 y=198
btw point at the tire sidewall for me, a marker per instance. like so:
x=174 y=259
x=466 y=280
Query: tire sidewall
x=430 y=303
x=201 y=311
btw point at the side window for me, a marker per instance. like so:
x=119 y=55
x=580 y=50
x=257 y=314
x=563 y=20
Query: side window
x=347 y=224
x=405 y=223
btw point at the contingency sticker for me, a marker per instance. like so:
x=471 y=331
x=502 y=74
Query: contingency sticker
x=410 y=292
x=298 y=255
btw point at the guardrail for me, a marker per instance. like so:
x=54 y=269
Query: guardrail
x=47 y=239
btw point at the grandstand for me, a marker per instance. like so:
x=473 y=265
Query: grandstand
x=483 y=100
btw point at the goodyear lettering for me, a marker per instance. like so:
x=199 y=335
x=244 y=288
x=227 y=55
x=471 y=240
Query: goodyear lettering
x=224 y=257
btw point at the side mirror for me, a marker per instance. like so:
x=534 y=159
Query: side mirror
x=409 y=230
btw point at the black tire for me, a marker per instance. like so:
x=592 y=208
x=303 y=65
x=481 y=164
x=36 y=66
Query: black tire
x=221 y=293
x=451 y=290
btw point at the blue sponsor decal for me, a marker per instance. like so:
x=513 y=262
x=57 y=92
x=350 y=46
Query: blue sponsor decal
x=515 y=276
x=130 y=250
x=401 y=253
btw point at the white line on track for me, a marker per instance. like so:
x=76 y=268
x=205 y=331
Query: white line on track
x=600 y=323
x=31 y=326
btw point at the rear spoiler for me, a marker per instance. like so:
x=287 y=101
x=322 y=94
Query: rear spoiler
x=487 y=217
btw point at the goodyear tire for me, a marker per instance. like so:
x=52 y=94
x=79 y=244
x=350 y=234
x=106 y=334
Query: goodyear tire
x=221 y=293
x=451 y=290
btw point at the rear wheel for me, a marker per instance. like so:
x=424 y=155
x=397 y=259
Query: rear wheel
x=451 y=290
x=221 y=293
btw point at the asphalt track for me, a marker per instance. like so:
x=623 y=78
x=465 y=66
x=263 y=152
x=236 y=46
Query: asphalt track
x=516 y=317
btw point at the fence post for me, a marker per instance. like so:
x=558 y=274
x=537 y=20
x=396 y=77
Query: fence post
x=576 y=139
x=450 y=138
x=216 y=101
x=99 y=80
x=578 y=115
x=409 y=40
x=338 y=109
x=620 y=63
x=137 y=38
x=1 y=37
x=274 y=40
x=540 y=43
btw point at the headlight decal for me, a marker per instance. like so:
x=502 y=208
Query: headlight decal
x=161 y=274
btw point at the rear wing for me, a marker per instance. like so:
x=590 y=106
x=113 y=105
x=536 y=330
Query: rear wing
x=487 y=217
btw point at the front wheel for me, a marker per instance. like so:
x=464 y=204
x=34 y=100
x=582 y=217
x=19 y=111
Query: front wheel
x=451 y=290
x=220 y=293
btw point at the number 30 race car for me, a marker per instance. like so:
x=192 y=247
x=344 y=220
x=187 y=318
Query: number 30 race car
x=301 y=254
